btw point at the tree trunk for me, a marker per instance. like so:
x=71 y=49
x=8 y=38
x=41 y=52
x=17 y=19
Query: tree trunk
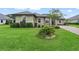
x=55 y=22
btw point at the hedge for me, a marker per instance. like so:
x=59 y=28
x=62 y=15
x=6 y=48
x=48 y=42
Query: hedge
x=21 y=25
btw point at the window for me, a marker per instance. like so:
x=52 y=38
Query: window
x=1 y=21
x=13 y=21
x=35 y=24
x=47 y=21
x=39 y=20
x=59 y=21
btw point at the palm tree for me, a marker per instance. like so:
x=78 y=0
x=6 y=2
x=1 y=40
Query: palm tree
x=55 y=14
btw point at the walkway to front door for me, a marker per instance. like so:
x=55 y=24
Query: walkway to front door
x=71 y=29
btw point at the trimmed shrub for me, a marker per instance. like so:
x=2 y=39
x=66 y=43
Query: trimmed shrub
x=57 y=27
x=10 y=21
x=46 y=31
x=73 y=23
x=14 y=25
x=7 y=22
x=42 y=25
x=22 y=24
x=29 y=25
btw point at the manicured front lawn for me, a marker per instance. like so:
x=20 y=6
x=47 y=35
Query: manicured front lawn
x=74 y=25
x=26 y=39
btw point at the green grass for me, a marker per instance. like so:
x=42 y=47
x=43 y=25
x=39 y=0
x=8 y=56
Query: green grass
x=74 y=25
x=25 y=39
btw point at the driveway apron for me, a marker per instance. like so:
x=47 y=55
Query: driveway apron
x=71 y=29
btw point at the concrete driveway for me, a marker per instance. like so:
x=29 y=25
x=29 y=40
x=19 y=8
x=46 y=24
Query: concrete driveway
x=71 y=29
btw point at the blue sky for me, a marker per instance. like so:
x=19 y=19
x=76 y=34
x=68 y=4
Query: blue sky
x=68 y=12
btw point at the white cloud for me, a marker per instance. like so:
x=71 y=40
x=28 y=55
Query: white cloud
x=5 y=9
x=77 y=8
x=35 y=8
x=69 y=10
x=19 y=8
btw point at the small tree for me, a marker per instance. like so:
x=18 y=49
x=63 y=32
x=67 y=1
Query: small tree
x=23 y=23
x=46 y=32
x=55 y=14
x=66 y=21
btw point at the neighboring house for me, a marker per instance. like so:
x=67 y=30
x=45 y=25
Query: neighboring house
x=3 y=19
x=74 y=19
x=36 y=19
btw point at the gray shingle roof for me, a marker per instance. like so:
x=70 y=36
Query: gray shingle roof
x=74 y=17
x=41 y=15
x=4 y=17
x=30 y=13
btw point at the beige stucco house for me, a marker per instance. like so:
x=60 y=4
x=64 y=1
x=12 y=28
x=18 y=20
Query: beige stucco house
x=36 y=19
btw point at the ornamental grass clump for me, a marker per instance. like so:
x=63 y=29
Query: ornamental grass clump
x=47 y=32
